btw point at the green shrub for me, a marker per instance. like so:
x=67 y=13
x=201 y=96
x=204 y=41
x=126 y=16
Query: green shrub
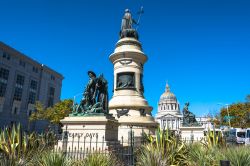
x=201 y=155
x=100 y=159
x=165 y=148
x=50 y=158
x=238 y=156
x=151 y=155
x=213 y=139
x=18 y=147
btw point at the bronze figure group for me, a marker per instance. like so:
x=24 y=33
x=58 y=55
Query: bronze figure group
x=95 y=96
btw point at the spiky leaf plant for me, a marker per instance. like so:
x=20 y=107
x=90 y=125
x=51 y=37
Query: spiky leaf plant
x=238 y=156
x=201 y=155
x=18 y=146
x=164 y=146
x=100 y=159
x=213 y=139
x=50 y=158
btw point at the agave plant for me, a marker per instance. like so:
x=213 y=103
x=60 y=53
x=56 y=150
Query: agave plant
x=11 y=143
x=201 y=155
x=152 y=156
x=165 y=147
x=16 y=145
x=101 y=159
x=238 y=156
x=213 y=139
x=50 y=158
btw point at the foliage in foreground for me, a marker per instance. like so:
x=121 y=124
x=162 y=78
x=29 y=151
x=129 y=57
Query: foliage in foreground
x=17 y=147
x=49 y=158
x=200 y=155
x=99 y=159
x=238 y=156
x=165 y=149
x=213 y=140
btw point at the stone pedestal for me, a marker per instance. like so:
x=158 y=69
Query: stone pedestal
x=192 y=133
x=89 y=133
x=128 y=104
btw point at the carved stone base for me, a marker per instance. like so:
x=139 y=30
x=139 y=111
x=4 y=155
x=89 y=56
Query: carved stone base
x=88 y=133
x=193 y=133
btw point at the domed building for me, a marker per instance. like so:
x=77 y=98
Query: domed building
x=168 y=115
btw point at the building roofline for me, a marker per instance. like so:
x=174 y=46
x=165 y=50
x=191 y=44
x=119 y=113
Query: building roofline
x=34 y=62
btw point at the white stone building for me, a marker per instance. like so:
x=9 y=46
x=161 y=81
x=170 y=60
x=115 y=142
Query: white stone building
x=169 y=115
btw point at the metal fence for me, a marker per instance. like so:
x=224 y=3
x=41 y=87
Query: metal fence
x=77 y=147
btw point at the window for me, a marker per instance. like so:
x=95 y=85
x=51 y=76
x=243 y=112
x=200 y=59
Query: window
x=35 y=69
x=15 y=110
x=21 y=63
x=52 y=77
x=19 y=88
x=32 y=93
x=51 y=91
x=33 y=85
x=18 y=94
x=6 y=55
x=3 y=88
x=51 y=94
x=1 y=107
x=20 y=80
x=241 y=134
x=32 y=98
x=29 y=112
x=4 y=75
x=13 y=123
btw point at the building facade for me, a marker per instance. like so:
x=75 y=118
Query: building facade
x=168 y=115
x=23 y=81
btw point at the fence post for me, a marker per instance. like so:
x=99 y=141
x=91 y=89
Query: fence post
x=65 y=141
x=131 y=147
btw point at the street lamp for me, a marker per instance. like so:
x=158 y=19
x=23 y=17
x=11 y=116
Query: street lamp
x=227 y=113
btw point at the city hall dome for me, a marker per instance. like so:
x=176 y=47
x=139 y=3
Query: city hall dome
x=168 y=110
x=167 y=95
x=168 y=103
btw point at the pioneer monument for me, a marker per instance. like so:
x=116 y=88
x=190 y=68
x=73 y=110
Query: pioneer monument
x=94 y=119
x=128 y=104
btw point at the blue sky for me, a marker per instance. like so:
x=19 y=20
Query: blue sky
x=201 y=47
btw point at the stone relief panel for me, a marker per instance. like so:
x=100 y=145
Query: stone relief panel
x=125 y=80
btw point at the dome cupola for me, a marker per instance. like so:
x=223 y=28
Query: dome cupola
x=167 y=95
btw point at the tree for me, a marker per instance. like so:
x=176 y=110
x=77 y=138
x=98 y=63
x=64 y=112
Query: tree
x=59 y=111
x=247 y=99
x=53 y=114
x=39 y=113
x=238 y=114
